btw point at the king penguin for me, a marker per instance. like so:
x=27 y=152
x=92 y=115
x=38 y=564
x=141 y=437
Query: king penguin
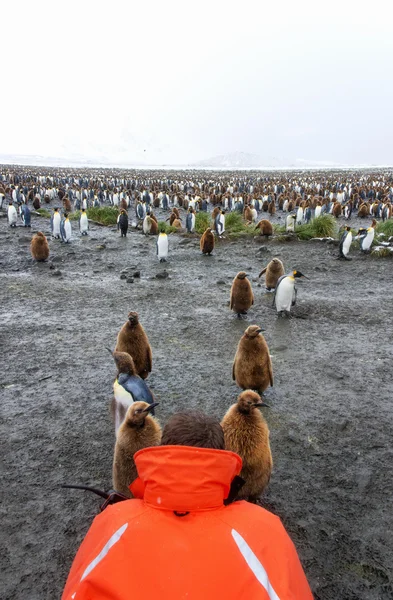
x=366 y=237
x=25 y=215
x=65 y=229
x=345 y=243
x=55 y=223
x=285 y=292
x=290 y=223
x=83 y=223
x=128 y=387
x=12 y=215
x=190 y=221
x=162 y=247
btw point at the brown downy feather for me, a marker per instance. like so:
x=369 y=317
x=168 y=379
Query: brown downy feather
x=247 y=433
x=207 y=241
x=39 y=247
x=265 y=227
x=133 y=340
x=274 y=270
x=252 y=365
x=241 y=298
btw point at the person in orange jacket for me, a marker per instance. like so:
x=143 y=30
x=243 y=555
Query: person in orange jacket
x=181 y=539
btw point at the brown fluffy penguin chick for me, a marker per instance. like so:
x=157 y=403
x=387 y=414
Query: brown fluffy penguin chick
x=247 y=214
x=247 y=433
x=265 y=227
x=363 y=211
x=274 y=270
x=177 y=223
x=133 y=340
x=252 y=366
x=153 y=226
x=207 y=241
x=138 y=430
x=242 y=297
x=176 y=212
x=39 y=247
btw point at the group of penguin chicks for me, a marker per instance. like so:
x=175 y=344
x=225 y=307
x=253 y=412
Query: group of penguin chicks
x=283 y=286
x=245 y=430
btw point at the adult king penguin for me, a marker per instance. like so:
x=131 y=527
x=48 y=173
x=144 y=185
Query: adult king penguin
x=128 y=387
x=55 y=223
x=285 y=292
x=190 y=221
x=290 y=223
x=25 y=215
x=122 y=223
x=65 y=229
x=366 y=237
x=12 y=215
x=162 y=247
x=83 y=223
x=345 y=243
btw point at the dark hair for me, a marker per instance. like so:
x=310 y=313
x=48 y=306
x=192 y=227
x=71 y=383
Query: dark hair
x=193 y=429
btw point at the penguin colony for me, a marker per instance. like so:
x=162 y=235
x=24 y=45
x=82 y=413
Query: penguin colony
x=299 y=199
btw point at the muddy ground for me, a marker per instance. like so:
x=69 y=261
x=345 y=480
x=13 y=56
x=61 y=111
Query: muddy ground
x=331 y=416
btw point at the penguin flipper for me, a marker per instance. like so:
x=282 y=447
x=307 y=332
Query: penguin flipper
x=270 y=373
x=233 y=370
x=149 y=360
x=262 y=272
x=231 y=302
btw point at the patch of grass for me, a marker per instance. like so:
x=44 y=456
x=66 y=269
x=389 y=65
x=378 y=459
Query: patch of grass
x=386 y=228
x=43 y=213
x=321 y=227
x=164 y=227
x=202 y=222
x=382 y=253
x=279 y=228
x=234 y=222
x=74 y=216
x=106 y=215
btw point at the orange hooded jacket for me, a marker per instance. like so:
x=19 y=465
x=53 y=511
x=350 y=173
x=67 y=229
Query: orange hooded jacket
x=141 y=548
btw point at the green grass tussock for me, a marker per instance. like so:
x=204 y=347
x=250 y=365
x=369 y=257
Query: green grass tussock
x=106 y=215
x=321 y=227
x=43 y=213
x=386 y=228
x=202 y=222
x=164 y=227
x=234 y=223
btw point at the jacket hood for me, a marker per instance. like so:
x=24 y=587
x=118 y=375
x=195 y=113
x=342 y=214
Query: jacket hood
x=185 y=478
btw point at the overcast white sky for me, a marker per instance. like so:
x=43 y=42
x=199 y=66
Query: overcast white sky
x=178 y=81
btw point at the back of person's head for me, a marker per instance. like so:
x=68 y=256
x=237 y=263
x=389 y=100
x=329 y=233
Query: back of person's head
x=193 y=429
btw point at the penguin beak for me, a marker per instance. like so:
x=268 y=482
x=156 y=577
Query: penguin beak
x=110 y=351
x=261 y=404
x=260 y=329
x=305 y=276
x=151 y=407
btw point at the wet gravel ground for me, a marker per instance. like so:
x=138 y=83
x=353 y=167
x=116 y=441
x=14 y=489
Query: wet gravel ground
x=331 y=417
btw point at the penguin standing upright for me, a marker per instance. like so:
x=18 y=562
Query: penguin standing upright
x=345 y=243
x=139 y=430
x=39 y=247
x=247 y=434
x=285 y=292
x=162 y=247
x=219 y=223
x=290 y=223
x=366 y=237
x=132 y=339
x=128 y=386
x=55 y=223
x=242 y=297
x=122 y=223
x=83 y=223
x=65 y=229
x=25 y=215
x=252 y=365
x=274 y=270
x=207 y=242
x=12 y=215
x=190 y=220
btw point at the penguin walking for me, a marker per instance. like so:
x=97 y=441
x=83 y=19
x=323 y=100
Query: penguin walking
x=65 y=229
x=366 y=237
x=122 y=223
x=12 y=215
x=162 y=247
x=132 y=339
x=274 y=270
x=55 y=223
x=207 y=242
x=190 y=221
x=83 y=223
x=345 y=243
x=252 y=365
x=247 y=434
x=290 y=223
x=242 y=297
x=128 y=387
x=39 y=247
x=139 y=430
x=25 y=215
x=285 y=292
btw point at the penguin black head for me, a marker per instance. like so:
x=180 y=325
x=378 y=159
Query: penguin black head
x=299 y=274
x=248 y=401
x=65 y=215
x=133 y=319
x=347 y=228
x=241 y=275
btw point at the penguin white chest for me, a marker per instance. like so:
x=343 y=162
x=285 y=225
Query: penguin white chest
x=347 y=243
x=285 y=294
x=83 y=223
x=368 y=239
